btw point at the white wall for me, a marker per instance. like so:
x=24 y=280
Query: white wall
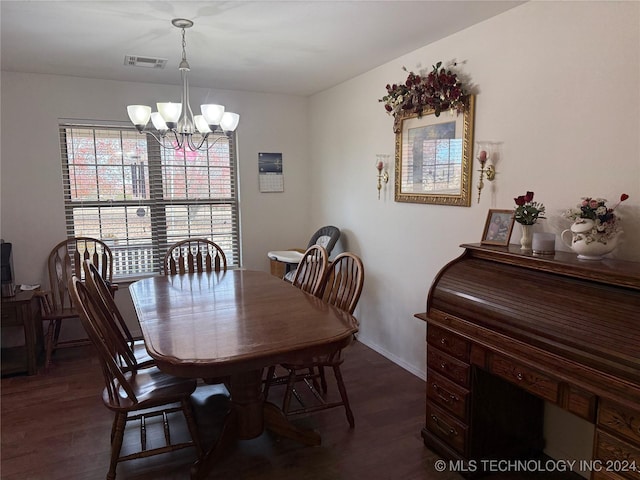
x=557 y=82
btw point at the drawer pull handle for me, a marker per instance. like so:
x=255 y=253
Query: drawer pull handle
x=444 y=428
x=443 y=365
x=519 y=376
x=443 y=341
x=445 y=396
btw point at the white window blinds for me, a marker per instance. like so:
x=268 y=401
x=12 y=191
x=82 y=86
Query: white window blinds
x=140 y=198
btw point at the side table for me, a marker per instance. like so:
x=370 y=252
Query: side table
x=22 y=310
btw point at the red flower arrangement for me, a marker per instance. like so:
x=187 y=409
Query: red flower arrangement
x=527 y=211
x=440 y=90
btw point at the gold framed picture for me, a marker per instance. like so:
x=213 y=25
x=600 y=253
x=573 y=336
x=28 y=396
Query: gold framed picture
x=434 y=157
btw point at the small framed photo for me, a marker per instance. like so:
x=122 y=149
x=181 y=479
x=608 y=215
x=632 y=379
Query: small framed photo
x=497 y=229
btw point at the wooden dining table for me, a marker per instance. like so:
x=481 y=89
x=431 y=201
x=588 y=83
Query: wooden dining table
x=232 y=325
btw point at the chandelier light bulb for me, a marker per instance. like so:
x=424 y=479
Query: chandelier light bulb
x=212 y=113
x=170 y=113
x=229 y=121
x=201 y=124
x=159 y=123
x=139 y=115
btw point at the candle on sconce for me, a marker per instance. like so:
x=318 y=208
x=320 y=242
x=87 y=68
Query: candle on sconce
x=544 y=243
x=381 y=166
x=486 y=154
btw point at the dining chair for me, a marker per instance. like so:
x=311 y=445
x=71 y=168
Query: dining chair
x=194 y=255
x=311 y=269
x=133 y=395
x=341 y=287
x=136 y=350
x=64 y=261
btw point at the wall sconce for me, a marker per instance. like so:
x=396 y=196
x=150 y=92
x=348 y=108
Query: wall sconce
x=486 y=152
x=383 y=175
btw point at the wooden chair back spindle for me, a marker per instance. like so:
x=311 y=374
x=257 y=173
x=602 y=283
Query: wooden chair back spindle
x=66 y=259
x=311 y=270
x=343 y=282
x=194 y=255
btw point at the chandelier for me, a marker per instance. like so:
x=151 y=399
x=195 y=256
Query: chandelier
x=175 y=123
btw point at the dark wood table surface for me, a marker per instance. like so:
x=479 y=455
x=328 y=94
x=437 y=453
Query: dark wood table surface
x=234 y=324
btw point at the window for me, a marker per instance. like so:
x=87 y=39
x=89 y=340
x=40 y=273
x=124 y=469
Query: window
x=123 y=188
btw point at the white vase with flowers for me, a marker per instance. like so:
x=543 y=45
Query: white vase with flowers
x=527 y=213
x=596 y=228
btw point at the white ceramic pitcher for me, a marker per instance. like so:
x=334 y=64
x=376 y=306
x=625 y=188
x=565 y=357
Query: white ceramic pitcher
x=588 y=245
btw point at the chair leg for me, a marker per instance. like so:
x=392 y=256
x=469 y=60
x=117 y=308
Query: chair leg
x=49 y=343
x=314 y=377
x=291 y=382
x=271 y=374
x=323 y=379
x=343 y=395
x=114 y=426
x=116 y=443
x=191 y=423
x=57 y=333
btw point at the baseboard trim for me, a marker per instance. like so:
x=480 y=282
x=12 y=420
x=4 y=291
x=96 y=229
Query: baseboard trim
x=394 y=358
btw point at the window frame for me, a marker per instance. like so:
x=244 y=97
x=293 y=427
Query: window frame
x=156 y=201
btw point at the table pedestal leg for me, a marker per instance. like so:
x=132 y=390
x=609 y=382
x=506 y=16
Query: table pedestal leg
x=247 y=418
x=276 y=421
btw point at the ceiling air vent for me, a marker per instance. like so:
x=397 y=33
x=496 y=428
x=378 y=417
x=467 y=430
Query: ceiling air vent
x=147 y=62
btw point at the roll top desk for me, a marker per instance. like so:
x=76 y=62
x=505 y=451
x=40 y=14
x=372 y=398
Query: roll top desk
x=507 y=331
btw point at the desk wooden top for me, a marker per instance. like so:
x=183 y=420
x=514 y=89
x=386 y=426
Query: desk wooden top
x=216 y=324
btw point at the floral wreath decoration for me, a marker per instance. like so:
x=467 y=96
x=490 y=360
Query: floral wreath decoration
x=440 y=90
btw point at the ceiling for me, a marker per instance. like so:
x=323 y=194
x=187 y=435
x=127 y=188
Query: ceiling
x=292 y=47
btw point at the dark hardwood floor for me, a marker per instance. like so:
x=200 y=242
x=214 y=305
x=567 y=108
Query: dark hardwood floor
x=54 y=426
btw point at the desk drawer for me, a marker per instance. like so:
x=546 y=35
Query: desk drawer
x=531 y=380
x=448 y=366
x=579 y=402
x=444 y=426
x=448 y=342
x=447 y=394
x=617 y=456
x=620 y=420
